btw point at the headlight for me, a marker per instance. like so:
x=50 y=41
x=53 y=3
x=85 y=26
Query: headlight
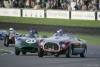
x=42 y=43
x=17 y=43
x=63 y=45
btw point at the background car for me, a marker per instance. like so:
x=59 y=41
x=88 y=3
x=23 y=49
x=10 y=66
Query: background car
x=3 y=33
x=67 y=44
x=10 y=39
x=27 y=44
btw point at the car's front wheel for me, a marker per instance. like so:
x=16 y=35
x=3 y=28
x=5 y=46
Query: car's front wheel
x=56 y=55
x=17 y=52
x=40 y=52
x=24 y=53
x=83 y=54
x=68 y=52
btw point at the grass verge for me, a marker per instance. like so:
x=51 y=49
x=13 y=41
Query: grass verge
x=2 y=51
x=89 y=39
x=63 y=22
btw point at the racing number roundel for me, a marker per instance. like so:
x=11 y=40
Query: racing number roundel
x=30 y=41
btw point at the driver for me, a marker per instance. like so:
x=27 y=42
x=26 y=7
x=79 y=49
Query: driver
x=33 y=32
x=12 y=32
x=59 y=32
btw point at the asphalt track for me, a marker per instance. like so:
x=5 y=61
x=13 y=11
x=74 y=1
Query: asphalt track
x=32 y=60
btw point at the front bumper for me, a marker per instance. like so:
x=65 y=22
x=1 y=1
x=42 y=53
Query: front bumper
x=26 y=49
x=60 y=51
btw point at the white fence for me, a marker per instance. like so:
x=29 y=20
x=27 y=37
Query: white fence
x=33 y=13
x=98 y=15
x=10 y=12
x=60 y=14
x=83 y=15
x=57 y=14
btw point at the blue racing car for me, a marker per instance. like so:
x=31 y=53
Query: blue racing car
x=3 y=33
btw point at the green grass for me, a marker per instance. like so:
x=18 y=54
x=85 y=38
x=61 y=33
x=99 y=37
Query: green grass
x=64 y=22
x=2 y=51
x=89 y=39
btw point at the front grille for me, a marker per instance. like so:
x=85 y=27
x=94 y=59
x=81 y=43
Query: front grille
x=27 y=48
x=51 y=46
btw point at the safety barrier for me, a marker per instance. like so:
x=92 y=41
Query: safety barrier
x=10 y=12
x=60 y=14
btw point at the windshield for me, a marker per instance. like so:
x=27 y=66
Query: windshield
x=67 y=35
x=28 y=36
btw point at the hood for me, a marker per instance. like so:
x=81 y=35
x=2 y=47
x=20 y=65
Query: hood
x=27 y=42
x=55 y=39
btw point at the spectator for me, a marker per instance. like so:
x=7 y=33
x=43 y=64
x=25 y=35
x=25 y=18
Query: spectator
x=73 y=3
x=86 y=2
x=54 y=4
x=94 y=4
x=21 y=4
x=68 y=6
x=84 y=7
x=51 y=3
x=28 y=4
x=1 y=4
x=91 y=7
x=6 y=4
x=99 y=6
x=76 y=6
x=79 y=5
x=32 y=3
x=14 y=4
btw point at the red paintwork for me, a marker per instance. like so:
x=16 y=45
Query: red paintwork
x=61 y=49
x=13 y=40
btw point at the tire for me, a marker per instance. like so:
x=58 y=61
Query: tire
x=40 y=52
x=5 y=41
x=83 y=54
x=56 y=55
x=24 y=53
x=45 y=53
x=68 y=52
x=7 y=38
x=17 y=52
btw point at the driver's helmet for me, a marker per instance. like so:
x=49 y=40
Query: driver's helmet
x=11 y=29
x=32 y=31
x=59 y=32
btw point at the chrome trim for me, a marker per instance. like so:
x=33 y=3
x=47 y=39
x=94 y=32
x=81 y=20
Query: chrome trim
x=52 y=50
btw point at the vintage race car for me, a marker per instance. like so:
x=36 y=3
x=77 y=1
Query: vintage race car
x=67 y=44
x=27 y=44
x=3 y=33
x=10 y=39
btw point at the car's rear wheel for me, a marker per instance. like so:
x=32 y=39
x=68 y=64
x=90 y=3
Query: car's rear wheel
x=40 y=52
x=7 y=41
x=68 y=52
x=17 y=52
x=83 y=54
x=24 y=53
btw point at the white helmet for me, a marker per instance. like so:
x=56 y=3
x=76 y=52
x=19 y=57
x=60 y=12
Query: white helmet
x=60 y=32
x=11 y=29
